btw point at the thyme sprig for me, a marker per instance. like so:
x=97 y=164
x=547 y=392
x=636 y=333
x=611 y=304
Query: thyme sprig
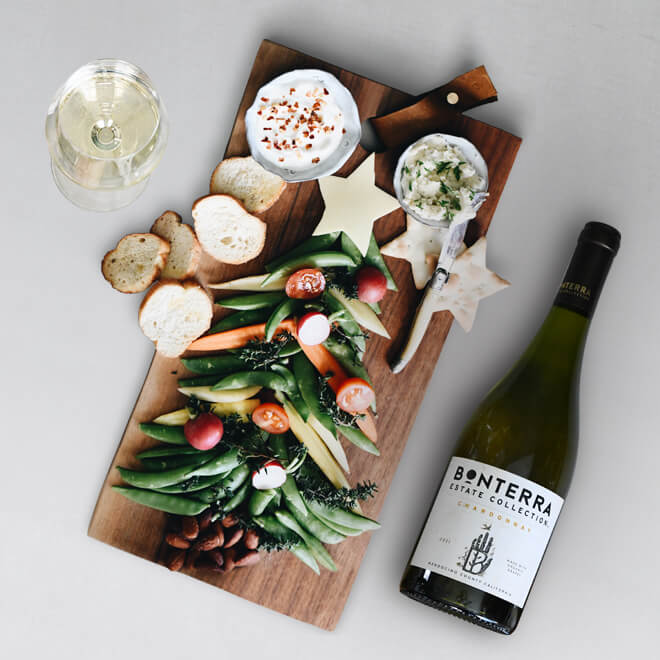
x=260 y=354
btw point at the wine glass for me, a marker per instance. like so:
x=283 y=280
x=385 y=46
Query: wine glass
x=106 y=130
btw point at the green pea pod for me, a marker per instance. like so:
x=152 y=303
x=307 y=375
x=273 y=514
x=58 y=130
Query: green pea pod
x=278 y=445
x=285 y=309
x=318 y=550
x=236 y=477
x=242 y=379
x=310 y=260
x=170 y=462
x=250 y=301
x=294 y=392
x=351 y=249
x=174 y=504
x=159 y=452
x=341 y=529
x=233 y=321
x=347 y=357
x=341 y=516
x=294 y=502
x=375 y=258
x=223 y=463
x=157 y=479
x=359 y=439
x=308 y=384
x=198 y=381
x=312 y=244
x=274 y=527
x=193 y=485
x=346 y=322
x=238 y=498
x=290 y=349
x=226 y=486
x=172 y=435
x=259 y=501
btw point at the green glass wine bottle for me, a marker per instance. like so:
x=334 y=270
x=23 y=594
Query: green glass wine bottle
x=499 y=500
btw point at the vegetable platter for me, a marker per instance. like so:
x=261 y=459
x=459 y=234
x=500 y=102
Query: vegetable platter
x=280 y=478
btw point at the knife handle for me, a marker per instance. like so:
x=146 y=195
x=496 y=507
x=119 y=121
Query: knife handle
x=436 y=109
x=420 y=322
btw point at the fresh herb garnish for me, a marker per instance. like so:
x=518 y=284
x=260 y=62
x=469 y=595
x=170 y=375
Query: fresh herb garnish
x=457 y=171
x=456 y=204
x=445 y=188
x=441 y=166
x=410 y=185
x=342 y=279
x=260 y=354
x=328 y=402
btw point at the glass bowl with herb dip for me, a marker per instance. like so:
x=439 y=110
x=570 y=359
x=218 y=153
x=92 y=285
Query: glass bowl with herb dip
x=440 y=179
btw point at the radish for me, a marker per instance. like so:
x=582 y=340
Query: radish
x=371 y=284
x=269 y=475
x=313 y=328
x=204 y=431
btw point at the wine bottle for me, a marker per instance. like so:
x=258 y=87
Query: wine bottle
x=499 y=500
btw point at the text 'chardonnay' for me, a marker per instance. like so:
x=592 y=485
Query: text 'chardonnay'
x=499 y=500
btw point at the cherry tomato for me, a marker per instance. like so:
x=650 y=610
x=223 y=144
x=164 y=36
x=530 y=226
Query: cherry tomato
x=355 y=395
x=305 y=283
x=371 y=284
x=271 y=417
x=313 y=328
x=204 y=431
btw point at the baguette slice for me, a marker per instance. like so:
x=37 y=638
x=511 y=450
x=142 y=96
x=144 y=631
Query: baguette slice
x=185 y=251
x=136 y=262
x=226 y=230
x=244 y=179
x=173 y=314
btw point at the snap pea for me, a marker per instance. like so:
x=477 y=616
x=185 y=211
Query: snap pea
x=238 y=498
x=294 y=392
x=359 y=439
x=193 y=485
x=375 y=258
x=290 y=349
x=318 y=550
x=341 y=529
x=294 y=502
x=312 y=244
x=222 y=463
x=169 y=462
x=351 y=249
x=347 y=357
x=345 y=321
x=341 y=516
x=172 y=435
x=278 y=445
x=238 y=320
x=243 y=379
x=310 y=260
x=286 y=308
x=158 y=452
x=279 y=531
x=198 y=381
x=169 y=503
x=251 y=301
x=308 y=384
x=259 y=500
x=225 y=486
x=157 y=479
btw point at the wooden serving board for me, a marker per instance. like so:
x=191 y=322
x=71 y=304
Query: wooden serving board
x=280 y=581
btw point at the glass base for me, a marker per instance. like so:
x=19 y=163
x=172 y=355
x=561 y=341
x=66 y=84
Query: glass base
x=96 y=200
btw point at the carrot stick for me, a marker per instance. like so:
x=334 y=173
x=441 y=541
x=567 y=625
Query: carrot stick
x=325 y=364
x=237 y=337
x=368 y=426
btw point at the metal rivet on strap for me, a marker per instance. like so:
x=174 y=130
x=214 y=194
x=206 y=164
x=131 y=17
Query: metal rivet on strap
x=452 y=98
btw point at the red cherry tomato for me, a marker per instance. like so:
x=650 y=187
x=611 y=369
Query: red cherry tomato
x=371 y=283
x=313 y=328
x=305 y=283
x=271 y=417
x=204 y=431
x=355 y=395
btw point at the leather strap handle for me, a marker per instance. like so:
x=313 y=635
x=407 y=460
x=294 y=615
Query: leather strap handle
x=436 y=109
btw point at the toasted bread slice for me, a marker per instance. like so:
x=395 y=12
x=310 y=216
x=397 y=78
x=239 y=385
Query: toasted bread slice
x=185 y=251
x=174 y=313
x=243 y=178
x=226 y=230
x=136 y=262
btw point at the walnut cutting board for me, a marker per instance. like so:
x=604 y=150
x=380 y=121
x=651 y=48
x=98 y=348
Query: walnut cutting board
x=280 y=581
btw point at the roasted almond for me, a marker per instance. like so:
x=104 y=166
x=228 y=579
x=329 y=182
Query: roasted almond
x=177 y=541
x=207 y=542
x=189 y=528
x=205 y=519
x=220 y=531
x=248 y=559
x=230 y=556
x=233 y=536
x=175 y=559
x=229 y=520
x=251 y=539
x=191 y=557
x=216 y=556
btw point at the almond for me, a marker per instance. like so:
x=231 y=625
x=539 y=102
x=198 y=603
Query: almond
x=251 y=540
x=207 y=542
x=248 y=559
x=189 y=528
x=230 y=520
x=177 y=541
x=235 y=536
x=176 y=559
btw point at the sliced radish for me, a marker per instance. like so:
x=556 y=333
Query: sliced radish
x=269 y=475
x=313 y=328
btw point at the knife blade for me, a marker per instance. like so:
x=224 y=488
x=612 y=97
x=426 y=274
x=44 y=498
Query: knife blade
x=427 y=305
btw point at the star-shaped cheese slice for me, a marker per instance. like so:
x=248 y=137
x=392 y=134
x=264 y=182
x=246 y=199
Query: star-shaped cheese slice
x=421 y=246
x=352 y=205
x=469 y=282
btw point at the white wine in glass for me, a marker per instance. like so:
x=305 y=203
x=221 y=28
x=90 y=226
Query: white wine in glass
x=106 y=129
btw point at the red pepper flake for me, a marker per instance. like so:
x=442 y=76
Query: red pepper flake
x=281 y=160
x=270 y=118
x=308 y=146
x=283 y=127
x=267 y=128
x=292 y=90
x=305 y=133
x=265 y=140
x=296 y=105
x=315 y=160
x=264 y=99
x=343 y=130
x=325 y=91
x=311 y=137
x=258 y=112
x=293 y=142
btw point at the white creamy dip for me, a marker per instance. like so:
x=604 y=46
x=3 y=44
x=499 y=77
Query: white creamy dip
x=297 y=125
x=438 y=182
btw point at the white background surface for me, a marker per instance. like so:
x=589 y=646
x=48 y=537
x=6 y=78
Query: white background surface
x=577 y=80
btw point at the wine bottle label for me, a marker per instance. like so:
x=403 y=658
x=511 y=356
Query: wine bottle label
x=488 y=528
